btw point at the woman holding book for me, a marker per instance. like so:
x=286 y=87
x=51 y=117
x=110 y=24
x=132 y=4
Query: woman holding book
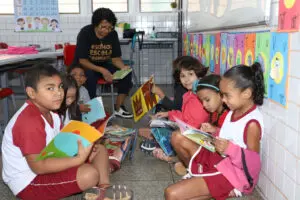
x=98 y=50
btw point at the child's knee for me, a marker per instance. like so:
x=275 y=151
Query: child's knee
x=170 y=193
x=87 y=176
x=175 y=138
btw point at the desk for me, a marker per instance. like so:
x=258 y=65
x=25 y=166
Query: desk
x=11 y=62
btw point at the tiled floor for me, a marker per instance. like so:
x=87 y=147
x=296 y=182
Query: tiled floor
x=145 y=175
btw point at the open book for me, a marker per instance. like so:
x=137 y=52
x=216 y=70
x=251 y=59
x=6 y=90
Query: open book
x=163 y=123
x=143 y=100
x=97 y=111
x=202 y=138
x=64 y=144
x=120 y=74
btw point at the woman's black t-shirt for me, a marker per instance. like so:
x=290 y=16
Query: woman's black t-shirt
x=97 y=51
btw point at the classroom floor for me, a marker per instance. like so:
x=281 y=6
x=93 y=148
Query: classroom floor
x=145 y=175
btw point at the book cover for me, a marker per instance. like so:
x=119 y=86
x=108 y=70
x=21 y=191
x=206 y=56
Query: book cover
x=64 y=144
x=143 y=100
x=120 y=74
x=97 y=111
x=117 y=130
x=163 y=123
x=163 y=138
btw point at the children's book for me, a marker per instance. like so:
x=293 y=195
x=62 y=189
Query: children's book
x=97 y=111
x=143 y=100
x=163 y=123
x=163 y=138
x=64 y=144
x=120 y=74
x=118 y=131
x=202 y=138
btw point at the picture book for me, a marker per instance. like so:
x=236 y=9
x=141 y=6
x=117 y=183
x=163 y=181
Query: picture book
x=120 y=74
x=202 y=138
x=143 y=100
x=64 y=144
x=97 y=111
x=163 y=123
x=118 y=131
x=163 y=138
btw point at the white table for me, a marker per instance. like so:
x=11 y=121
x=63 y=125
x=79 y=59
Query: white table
x=10 y=62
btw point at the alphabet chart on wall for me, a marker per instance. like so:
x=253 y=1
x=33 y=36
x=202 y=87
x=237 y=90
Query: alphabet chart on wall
x=36 y=16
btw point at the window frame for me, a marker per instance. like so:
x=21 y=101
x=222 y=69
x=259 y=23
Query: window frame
x=73 y=13
x=92 y=7
x=140 y=9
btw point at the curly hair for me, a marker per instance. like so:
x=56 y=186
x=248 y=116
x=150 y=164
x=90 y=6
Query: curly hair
x=188 y=63
x=248 y=77
x=103 y=14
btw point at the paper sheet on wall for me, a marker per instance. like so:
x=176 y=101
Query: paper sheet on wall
x=250 y=39
x=238 y=48
x=195 y=46
x=217 y=53
x=279 y=68
x=186 y=44
x=262 y=55
x=191 y=38
x=212 y=53
x=36 y=16
x=223 y=54
x=200 y=44
x=206 y=50
x=230 y=53
x=288 y=17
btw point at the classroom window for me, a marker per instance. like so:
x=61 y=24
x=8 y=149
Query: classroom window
x=114 y=5
x=64 y=6
x=156 y=5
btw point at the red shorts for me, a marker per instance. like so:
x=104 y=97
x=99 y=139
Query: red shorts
x=52 y=186
x=203 y=164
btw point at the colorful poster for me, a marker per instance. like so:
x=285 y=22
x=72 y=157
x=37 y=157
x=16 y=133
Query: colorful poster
x=262 y=55
x=224 y=51
x=186 y=44
x=249 y=48
x=212 y=53
x=143 y=100
x=217 y=53
x=36 y=16
x=238 y=48
x=230 y=53
x=200 y=42
x=206 y=50
x=288 y=17
x=195 y=46
x=191 y=37
x=279 y=68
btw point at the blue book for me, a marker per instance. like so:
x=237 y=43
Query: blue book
x=97 y=111
x=163 y=138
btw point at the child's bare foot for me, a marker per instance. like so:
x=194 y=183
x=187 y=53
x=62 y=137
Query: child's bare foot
x=145 y=133
x=180 y=169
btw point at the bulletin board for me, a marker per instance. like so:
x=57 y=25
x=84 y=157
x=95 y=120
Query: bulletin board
x=36 y=16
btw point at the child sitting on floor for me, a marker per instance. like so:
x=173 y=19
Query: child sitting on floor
x=235 y=168
x=77 y=72
x=28 y=133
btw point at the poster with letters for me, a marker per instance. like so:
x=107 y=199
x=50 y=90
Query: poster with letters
x=249 y=48
x=36 y=16
x=223 y=54
x=217 y=53
x=238 y=48
x=212 y=53
x=230 y=53
x=289 y=15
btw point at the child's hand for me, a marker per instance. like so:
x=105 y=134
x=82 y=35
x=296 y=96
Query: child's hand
x=84 y=108
x=107 y=75
x=221 y=145
x=162 y=114
x=208 y=128
x=158 y=91
x=83 y=152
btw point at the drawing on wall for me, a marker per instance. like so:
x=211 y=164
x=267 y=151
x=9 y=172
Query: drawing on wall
x=200 y=40
x=186 y=42
x=279 y=68
x=212 y=53
x=262 y=55
x=250 y=42
x=191 y=38
x=206 y=50
x=223 y=55
x=36 y=17
x=238 y=49
x=217 y=53
x=288 y=17
x=195 y=46
x=230 y=54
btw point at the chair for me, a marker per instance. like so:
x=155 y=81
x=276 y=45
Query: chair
x=69 y=52
x=7 y=93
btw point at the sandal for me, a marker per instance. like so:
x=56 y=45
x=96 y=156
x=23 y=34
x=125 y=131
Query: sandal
x=159 y=153
x=148 y=146
x=180 y=169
